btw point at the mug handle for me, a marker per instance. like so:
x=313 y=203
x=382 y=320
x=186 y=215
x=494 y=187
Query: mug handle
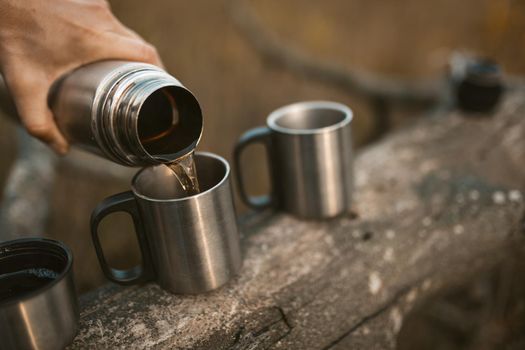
x=122 y=202
x=258 y=135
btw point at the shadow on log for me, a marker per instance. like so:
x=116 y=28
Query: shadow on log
x=436 y=202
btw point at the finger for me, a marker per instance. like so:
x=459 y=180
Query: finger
x=121 y=29
x=31 y=105
x=116 y=46
x=42 y=125
x=101 y=9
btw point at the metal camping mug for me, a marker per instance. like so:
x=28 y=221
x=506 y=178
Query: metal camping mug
x=38 y=304
x=189 y=244
x=309 y=150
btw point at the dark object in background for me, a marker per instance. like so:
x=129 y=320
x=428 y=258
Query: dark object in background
x=38 y=303
x=478 y=85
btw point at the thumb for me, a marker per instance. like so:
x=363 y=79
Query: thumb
x=115 y=46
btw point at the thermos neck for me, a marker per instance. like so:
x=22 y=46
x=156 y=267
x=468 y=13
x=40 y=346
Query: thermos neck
x=145 y=116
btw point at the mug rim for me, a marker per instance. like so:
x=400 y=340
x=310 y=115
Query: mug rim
x=181 y=199
x=65 y=271
x=271 y=121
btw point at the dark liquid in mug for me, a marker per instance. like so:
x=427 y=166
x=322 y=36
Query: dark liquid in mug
x=19 y=283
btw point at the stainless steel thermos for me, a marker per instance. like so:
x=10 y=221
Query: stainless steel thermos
x=134 y=114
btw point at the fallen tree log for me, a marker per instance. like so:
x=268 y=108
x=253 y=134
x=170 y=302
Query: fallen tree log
x=434 y=203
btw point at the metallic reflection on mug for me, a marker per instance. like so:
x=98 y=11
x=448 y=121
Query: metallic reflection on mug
x=309 y=149
x=189 y=244
x=38 y=305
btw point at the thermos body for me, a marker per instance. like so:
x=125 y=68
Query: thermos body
x=132 y=113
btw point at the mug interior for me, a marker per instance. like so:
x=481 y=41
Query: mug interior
x=159 y=183
x=29 y=266
x=309 y=116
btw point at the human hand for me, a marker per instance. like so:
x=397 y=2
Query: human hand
x=40 y=40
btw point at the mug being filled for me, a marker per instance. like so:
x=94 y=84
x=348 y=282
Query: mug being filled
x=38 y=303
x=189 y=243
x=309 y=148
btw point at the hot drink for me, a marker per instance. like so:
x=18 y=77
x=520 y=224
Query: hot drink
x=186 y=174
x=19 y=283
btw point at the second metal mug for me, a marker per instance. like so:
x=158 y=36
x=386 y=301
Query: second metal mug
x=189 y=244
x=38 y=303
x=310 y=154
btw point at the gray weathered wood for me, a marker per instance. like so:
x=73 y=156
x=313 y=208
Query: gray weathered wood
x=435 y=202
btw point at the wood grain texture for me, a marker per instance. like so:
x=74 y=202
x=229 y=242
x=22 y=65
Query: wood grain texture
x=436 y=202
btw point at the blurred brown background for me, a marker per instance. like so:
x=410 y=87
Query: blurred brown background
x=201 y=45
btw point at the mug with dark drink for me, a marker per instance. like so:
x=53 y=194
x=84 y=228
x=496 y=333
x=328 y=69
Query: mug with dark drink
x=38 y=305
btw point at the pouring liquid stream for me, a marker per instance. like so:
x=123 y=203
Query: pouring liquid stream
x=186 y=173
